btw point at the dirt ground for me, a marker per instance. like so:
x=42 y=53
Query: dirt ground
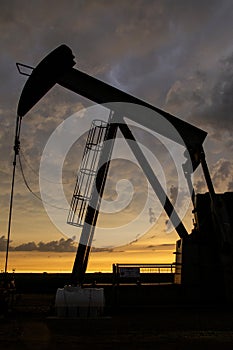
x=32 y=325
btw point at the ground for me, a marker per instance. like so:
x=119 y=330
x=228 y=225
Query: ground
x=31 y=325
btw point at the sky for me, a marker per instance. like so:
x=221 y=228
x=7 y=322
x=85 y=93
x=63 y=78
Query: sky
x=176 y=55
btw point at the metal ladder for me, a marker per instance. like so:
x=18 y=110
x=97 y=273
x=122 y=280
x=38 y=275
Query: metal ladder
x=87 y=173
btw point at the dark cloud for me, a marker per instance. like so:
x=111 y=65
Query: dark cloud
x=165 y=246
x=173 y=194
x=3 y=243
x=200 y=186
x=207 y=97
x=26 y=247
x=218 y=114
x=222 y=174
x=63 y=245
x=230 y=186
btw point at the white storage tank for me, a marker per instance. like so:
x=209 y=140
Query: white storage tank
x=79 y=302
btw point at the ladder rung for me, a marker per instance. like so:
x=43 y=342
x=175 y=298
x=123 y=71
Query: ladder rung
x=87 y=173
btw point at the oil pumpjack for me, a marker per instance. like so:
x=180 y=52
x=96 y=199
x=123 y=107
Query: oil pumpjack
x=209 y=246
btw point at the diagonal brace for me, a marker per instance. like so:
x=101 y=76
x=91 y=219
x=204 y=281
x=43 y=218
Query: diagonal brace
x=148 y=171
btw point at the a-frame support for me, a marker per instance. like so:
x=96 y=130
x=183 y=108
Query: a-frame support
x=84 y=248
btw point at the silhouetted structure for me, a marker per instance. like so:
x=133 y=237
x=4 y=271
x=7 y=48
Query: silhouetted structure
x=208 y=250
x=204 y=259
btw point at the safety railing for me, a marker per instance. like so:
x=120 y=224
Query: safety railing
x=87 y=173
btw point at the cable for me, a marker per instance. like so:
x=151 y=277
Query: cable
x=16 y=152
x=30 y=190
x=36 y=172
